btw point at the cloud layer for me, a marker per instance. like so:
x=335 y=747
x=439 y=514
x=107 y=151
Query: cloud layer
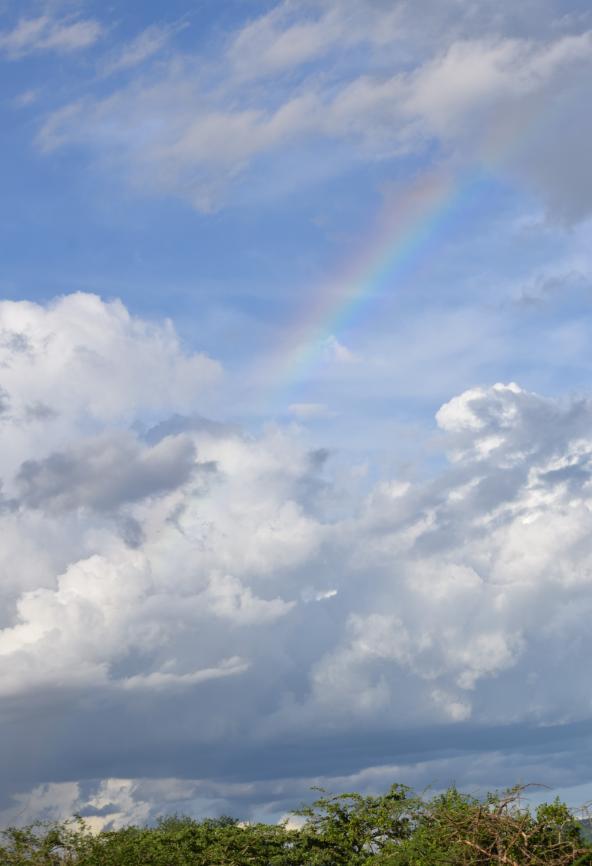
x=485 y=89
x=180 y=598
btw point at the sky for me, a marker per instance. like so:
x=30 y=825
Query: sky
x=295 y=413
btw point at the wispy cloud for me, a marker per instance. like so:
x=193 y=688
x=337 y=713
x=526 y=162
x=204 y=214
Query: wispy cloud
x=159 y=680
x=290 y=36
x=196 y=126
x=27 y=97
x=147 y=44
x=44 y=33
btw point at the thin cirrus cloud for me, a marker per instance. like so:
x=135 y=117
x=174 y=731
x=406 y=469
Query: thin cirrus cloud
x=48 y=34
x=142 y=48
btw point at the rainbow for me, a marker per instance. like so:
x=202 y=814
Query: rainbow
x=404 y=232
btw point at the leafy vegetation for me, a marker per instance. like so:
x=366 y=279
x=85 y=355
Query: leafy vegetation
x=395 y=829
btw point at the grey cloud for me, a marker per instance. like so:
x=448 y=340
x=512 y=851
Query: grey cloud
x=105 y=473
x=318 y=457
x=15 y=341
x=131 y=531
x=554 y=164
x=545 y=288
x=4 y=402
x=255 y=778
x=189 y=424
x=39 y=411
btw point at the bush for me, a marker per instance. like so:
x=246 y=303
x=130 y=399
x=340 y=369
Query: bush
x=395 y=829
x=458 y=830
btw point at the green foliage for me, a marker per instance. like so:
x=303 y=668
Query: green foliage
x=459 y=830
x=350 y=828
x=395 y=829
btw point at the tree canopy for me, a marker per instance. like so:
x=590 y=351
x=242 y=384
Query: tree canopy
x=398 y=828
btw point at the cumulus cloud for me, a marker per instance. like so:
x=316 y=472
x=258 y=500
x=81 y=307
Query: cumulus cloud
x=105 y=472
x=229 y=589
x=87 y=356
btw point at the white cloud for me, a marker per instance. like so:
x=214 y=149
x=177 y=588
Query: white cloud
x=185 y=563
x=54 y=801
x=145 y=45
x=486 y=94
x=334 y=350
x=164 y=680
x=307 y=411
x=44 y=33
x=27 y=97
x=291 y=35
x=229 y=599
x=68 y=350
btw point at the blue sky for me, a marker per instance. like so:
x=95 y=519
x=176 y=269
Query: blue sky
x=387 y=537
x=233 y=249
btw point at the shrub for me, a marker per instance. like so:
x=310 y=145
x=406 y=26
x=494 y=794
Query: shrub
x=394 y=829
